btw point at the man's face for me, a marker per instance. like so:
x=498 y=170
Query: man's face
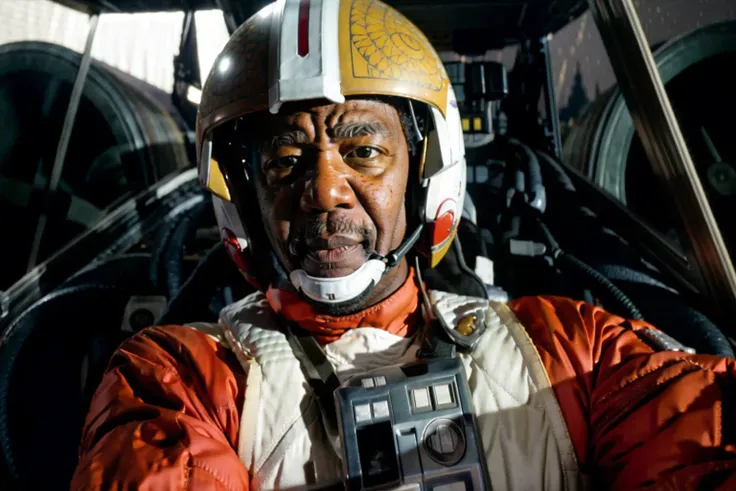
x=331 y=188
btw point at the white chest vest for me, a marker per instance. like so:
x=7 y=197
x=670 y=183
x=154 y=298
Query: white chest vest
x=283 y=441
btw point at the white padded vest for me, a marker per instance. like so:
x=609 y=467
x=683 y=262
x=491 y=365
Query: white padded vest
x=283 y=442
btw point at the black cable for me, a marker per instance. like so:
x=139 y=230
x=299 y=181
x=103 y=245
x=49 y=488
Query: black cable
x=616 y=294
x=393 y=258
x=536 y=195
x=662 y=305
x=158 y=254
x=174 y=264
x=568 y=259
x=512 y=231
x=195 y=295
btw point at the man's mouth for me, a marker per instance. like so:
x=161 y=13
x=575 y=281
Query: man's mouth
x=333 y=256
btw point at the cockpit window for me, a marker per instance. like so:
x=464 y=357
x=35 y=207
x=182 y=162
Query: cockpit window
x=127 y=134
x=691 y=44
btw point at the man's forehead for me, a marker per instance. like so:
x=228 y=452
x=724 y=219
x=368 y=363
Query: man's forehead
x=333 y=113
x=354 y=118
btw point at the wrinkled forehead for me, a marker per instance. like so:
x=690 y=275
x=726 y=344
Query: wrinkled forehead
x=312 y=121
x=328 y=115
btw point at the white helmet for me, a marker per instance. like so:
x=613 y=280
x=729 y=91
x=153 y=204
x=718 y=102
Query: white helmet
x=297 y=50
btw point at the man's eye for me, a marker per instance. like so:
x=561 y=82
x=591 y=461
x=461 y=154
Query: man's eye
x=362 y=153
x=283 y=163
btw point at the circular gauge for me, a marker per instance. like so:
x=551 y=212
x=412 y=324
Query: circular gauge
x=444 y=441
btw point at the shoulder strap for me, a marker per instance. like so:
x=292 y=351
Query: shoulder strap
x=318 y=372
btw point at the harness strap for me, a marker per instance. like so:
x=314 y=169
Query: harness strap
x=319 y=373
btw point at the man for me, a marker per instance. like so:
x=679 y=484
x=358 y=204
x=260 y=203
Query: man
x=330 y=138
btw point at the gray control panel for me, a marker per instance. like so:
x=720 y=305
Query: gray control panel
x=411 y=427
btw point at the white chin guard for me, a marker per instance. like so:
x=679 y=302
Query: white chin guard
x=341 y=289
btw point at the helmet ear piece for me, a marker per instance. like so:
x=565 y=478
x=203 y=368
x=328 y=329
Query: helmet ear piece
x=444 y=177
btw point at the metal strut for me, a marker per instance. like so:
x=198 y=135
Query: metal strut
x=66 y=133
x=659 y=132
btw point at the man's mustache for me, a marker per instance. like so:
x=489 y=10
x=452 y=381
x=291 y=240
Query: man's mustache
x=315 y=228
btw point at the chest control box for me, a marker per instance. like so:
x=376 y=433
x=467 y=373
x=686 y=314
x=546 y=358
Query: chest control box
x=411 y=427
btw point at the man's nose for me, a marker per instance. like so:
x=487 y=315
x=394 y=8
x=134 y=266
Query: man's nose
x=327 y=186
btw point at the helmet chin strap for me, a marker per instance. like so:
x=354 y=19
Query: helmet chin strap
x=341 y=289
x=346 y=288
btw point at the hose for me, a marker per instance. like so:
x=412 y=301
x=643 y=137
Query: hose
x=580 y=266
x=158 y=254
x=661 y=305
x=174 y=265
x=535 y=193
x=194 y=300
x=615 y=293
x=16 y=336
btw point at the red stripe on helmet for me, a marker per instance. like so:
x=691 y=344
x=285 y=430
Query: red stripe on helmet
x=303 y=38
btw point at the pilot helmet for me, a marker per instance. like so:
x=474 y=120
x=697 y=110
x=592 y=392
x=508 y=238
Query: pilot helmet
x=301 y=50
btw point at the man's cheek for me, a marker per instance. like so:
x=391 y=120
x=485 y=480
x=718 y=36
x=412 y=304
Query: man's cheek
x=384 y=213
x=271 y=224
x=279 y=237
x=284 y=203
x=384 y=201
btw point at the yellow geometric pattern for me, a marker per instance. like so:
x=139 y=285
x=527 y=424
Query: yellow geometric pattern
x=389 y=47
x=387 y=54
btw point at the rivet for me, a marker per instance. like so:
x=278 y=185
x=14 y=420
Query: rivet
x=466 y=326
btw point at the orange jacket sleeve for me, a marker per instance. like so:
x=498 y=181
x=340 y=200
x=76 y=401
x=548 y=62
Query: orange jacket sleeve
x=165 y=417
x=637 y=418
